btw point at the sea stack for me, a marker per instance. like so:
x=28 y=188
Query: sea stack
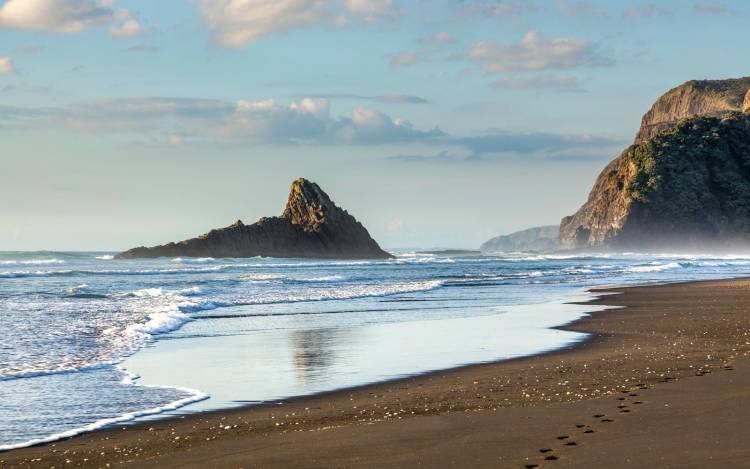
x=311 y=226
x=684 y=184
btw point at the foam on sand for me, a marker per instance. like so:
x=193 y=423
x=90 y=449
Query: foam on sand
x=193 y=395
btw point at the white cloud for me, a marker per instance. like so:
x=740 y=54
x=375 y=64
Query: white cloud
x=236 y=23
x=6 y=66
x=65 y=16
x=308 y=121
x=535 y=53
x=128 y=28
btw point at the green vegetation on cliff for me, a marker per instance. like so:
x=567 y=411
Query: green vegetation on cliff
x=687 y=186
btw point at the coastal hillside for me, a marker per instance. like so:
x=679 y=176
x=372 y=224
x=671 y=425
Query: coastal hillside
x=311 y=226
x=538 y=239
x=684 y=184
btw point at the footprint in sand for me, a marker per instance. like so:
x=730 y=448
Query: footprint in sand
x=552 y=457
x=625 y=411
x=589 y=431
x=580 y=425
x=563 y=437
x=531 y=466
x=633 y=394
x=607 y=420
x=545 y=450
x=637 y=402
x=571 y=443
x=598 y=416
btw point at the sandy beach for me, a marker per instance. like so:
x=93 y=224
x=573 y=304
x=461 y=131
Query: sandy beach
x=662 y=381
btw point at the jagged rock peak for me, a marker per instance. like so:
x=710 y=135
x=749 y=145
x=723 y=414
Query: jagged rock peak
x=310 y=226
x=695 y=98
x=309 y=207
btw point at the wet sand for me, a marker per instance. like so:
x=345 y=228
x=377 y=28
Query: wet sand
x=663 y=382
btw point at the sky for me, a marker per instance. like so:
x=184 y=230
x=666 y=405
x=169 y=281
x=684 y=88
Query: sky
x=437 y=123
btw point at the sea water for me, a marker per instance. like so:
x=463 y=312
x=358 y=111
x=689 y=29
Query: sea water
x=89 y=341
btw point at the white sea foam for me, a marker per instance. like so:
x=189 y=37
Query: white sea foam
x=105 y=258
x=33 y=262
x=323 y=278
x=344 y=293
x=256 y=277
x=193 y=260
x=38 y=273
x=653 y=267
x=194 y=395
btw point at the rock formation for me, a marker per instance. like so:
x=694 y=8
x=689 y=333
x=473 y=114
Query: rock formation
x=684 y=184
x=695 y=98
x=311 y=226
x=537 y=239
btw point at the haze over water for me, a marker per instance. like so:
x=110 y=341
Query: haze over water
x=215 y=333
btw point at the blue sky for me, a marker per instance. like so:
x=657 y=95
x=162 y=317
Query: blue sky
x=436 y=123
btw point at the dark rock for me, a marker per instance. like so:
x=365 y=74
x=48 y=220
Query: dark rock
x=311 y=226
x=537 y=239
x=686 y=187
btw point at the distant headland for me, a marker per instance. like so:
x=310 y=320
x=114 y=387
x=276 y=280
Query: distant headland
x=684 y=184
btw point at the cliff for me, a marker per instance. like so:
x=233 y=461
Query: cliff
x=311 y=226
x=695 y=98
x=537 y=239
x=686 y=187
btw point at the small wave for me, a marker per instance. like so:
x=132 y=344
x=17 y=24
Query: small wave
x=720 y=263
x=193 y=260
x=194 y=395
x=158 y=323
x=38 y=273
x=146 y=292
x=262 y=277
x=105 y=258
x=653 y=267
x=34 y=372
x=347 y=293
x=33 y=262
x=192 y=291
x=324 y=278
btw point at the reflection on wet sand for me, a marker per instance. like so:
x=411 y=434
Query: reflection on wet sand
x=316 y=352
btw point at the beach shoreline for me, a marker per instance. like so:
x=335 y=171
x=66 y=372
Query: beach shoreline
x=433 y=418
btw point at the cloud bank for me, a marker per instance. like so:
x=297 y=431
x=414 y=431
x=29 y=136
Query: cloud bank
x=307 y=121
x=68 y=16
x=236 y=23
x=536 y=53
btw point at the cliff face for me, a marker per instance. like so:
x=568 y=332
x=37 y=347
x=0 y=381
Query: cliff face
x=695 y=98
x=537 y=239
x=688 y=186
x=311 y=226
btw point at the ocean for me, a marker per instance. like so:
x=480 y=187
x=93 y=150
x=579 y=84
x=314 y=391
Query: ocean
x=89 y=341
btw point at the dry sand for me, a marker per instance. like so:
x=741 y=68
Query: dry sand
x=663 y=382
